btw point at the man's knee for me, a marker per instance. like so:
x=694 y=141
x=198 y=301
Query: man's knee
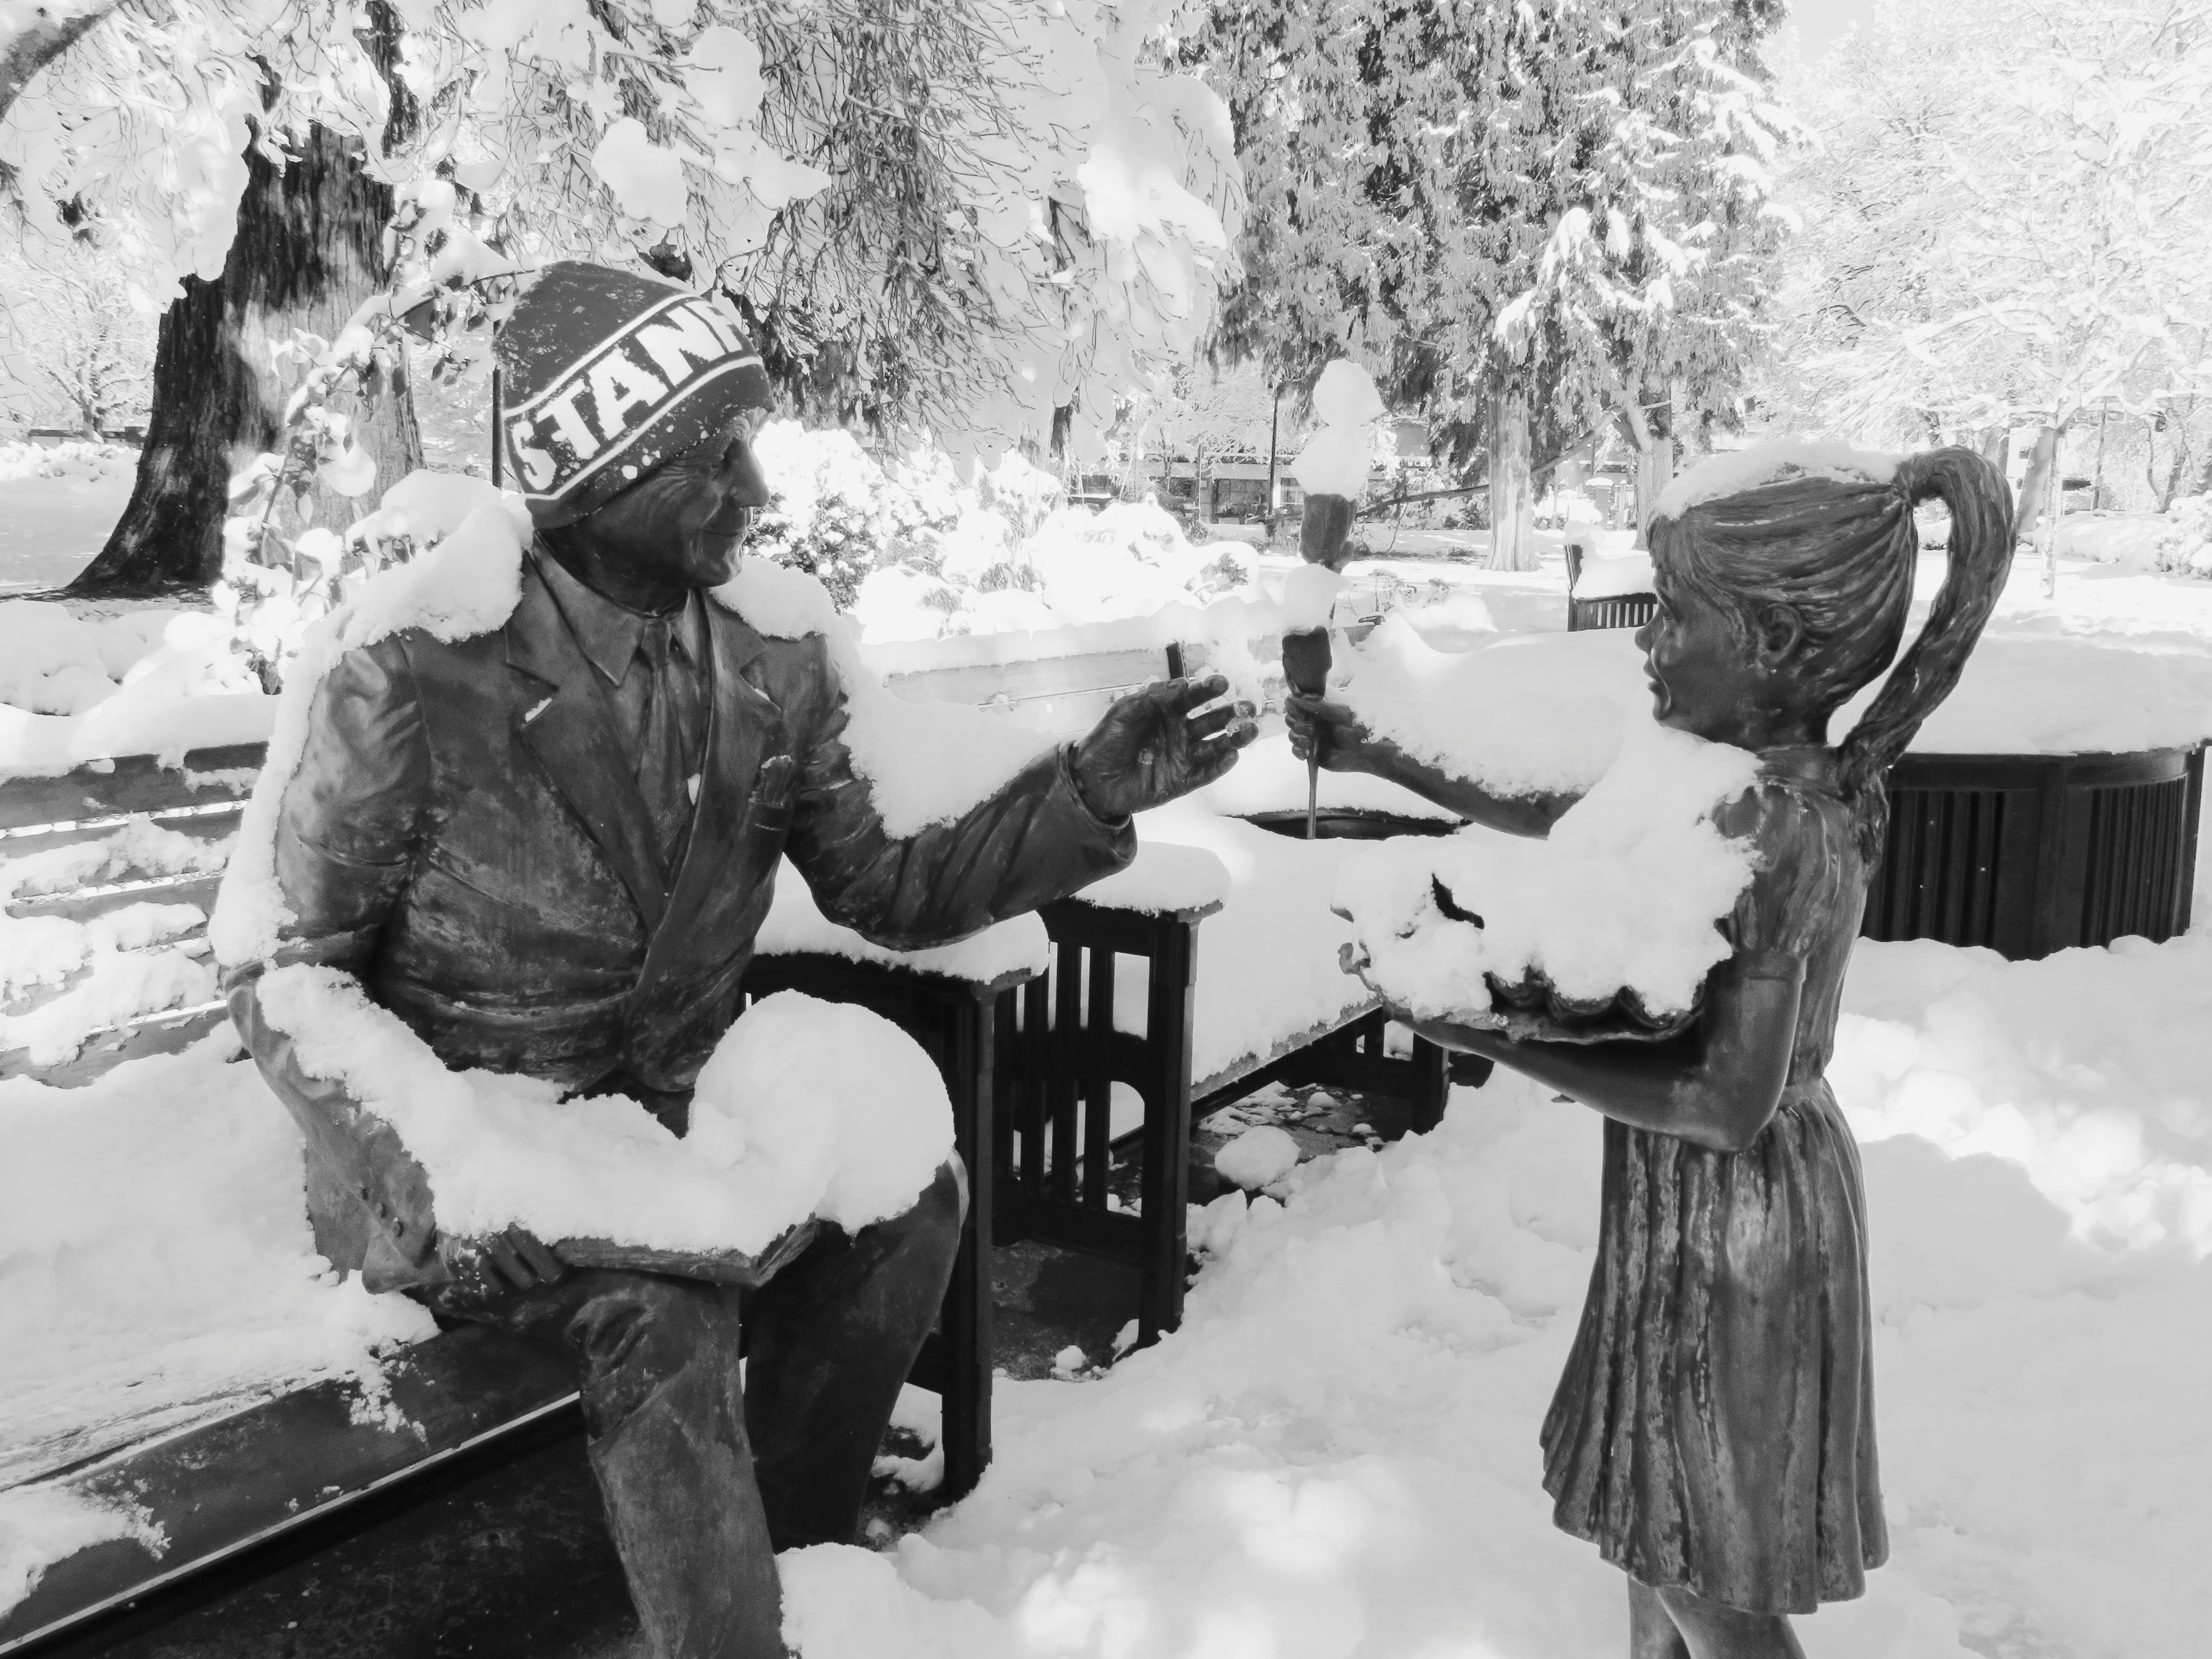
x=933 y=1222
x=634 y=1332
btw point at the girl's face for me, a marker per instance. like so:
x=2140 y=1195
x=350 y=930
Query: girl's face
x=1704 y=677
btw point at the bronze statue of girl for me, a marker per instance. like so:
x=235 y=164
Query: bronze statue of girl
x=1714 y=1432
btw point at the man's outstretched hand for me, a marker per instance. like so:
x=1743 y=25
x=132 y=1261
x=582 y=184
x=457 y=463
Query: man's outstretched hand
x=1149 y=748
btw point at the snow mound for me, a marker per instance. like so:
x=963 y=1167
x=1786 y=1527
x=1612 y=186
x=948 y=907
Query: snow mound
x=1734 y=471
x=1346 y=395
x=804 y=1109
x=1609 y=577
x=1623 y=897
x=156 y=1258
x=72 y=458
x=1336 y=461
x=41 y=1525
x=1258 y=1157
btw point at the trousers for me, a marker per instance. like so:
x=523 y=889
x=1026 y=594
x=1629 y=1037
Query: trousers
x=705 y=1479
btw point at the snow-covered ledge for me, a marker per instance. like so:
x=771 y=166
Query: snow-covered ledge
x=795 y=926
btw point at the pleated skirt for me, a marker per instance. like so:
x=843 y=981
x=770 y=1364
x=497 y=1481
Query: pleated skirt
x=1714 y=1430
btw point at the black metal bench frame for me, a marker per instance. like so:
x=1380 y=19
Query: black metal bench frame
x=1059 y=1056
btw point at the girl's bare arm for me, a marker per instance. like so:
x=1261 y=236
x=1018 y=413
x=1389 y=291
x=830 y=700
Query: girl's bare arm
x=1717 y=1086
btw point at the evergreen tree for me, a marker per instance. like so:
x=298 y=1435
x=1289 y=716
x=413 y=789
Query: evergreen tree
x=1530 y=222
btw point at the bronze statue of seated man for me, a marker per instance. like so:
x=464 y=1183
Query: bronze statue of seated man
x=548 y=848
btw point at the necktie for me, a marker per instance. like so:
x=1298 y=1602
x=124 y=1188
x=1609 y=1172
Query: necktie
x=660 y=755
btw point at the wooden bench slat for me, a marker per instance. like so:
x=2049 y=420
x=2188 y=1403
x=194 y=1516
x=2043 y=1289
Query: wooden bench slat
x=137 y=783
x=166 y=1033
x=84 y=904
x=208 y=820
x=223 y=1488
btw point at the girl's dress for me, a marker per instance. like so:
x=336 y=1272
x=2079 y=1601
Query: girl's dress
x=1714 y=1430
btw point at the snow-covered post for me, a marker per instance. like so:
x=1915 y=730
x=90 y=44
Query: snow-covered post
x=1331 y=469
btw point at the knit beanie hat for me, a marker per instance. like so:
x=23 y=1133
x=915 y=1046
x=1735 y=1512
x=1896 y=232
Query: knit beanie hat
x=606 y=373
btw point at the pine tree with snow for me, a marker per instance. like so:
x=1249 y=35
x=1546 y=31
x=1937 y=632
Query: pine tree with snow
x=1534 y=222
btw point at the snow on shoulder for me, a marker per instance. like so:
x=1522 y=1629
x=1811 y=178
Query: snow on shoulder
x=924 y=763
x=777 y=601
x=804 y=1109
x=1734 y=471
x=1623 y=897
x=467 y=584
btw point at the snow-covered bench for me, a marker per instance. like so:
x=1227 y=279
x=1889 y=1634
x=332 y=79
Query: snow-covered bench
x=1215 y=954
x=1606 y=589
x=211 y=1441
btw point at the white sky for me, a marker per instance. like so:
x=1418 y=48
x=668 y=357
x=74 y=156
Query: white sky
x=1819 y=23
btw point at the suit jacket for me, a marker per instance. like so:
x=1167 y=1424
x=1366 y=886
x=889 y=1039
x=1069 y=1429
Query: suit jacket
x=465 y=834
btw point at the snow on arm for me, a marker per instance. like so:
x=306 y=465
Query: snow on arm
x=804 y=1109
x=795 y=924
x=924 y=763
x=1524 y=714
x=1624 y=895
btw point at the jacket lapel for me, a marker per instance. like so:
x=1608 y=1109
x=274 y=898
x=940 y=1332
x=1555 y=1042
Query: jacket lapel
x=561 y=714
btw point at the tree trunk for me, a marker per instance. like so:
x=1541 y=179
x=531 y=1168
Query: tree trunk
x=1512 y=504
x=306 y=255
x=2035 y=487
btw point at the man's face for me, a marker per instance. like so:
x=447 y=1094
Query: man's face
x=686 y=521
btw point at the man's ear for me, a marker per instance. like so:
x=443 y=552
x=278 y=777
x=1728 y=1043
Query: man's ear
x=1781 y=630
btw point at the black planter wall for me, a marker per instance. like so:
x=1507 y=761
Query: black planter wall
x=2033 y=854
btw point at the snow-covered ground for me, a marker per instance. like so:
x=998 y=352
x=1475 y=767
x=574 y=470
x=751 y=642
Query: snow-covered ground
x=57 y=506
x=1337 y=1454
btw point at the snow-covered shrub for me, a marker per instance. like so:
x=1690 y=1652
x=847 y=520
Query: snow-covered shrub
x=1023 y=494
x=53 y=662
x=837 y=513
x=71 y=459
x=2186 y=546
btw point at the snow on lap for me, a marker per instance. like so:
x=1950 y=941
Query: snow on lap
x=805 y=1108
x=1622 y=896
x=1337 y=1454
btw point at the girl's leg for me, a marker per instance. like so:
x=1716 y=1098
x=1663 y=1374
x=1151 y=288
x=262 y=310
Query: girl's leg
x=1651 y=1633
x=1713 y=1631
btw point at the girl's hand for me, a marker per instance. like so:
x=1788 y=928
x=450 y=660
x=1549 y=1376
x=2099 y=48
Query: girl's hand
x=1330 y=730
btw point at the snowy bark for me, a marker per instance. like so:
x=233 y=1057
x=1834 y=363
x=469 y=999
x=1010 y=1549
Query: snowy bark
x=306 y=255
x=31 y=36
x=1512 y=501
x=1654 y=470
x=2035 y=487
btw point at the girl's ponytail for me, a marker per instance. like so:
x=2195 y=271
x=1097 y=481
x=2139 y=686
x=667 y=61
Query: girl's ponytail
x=1981 y=558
